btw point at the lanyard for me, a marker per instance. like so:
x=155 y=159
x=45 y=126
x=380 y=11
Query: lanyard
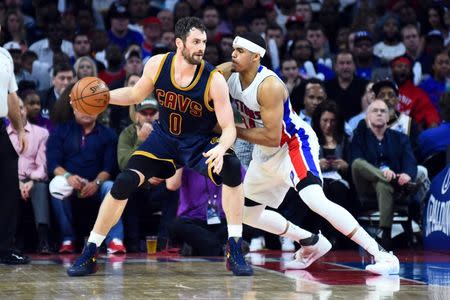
x=211 y=196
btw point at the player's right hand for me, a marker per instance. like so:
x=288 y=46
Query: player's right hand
x=215 y=158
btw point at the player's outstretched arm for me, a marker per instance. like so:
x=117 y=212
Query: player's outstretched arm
x=225 y=69
x=143 y=88
x=271 y=96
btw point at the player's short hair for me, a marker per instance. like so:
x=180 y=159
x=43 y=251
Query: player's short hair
x=185 y=25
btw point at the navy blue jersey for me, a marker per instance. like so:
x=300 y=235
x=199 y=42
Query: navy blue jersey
x=184 y=111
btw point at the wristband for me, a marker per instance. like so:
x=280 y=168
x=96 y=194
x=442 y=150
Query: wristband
x=67 y=175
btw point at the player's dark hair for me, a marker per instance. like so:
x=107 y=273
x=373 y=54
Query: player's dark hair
x=185 y=25
x=255 y=38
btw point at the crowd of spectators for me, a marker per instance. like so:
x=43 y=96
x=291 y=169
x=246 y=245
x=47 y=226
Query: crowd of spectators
x=371 y=77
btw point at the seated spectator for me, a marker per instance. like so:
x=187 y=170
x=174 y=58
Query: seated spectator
x=119 y=33
x=114 y=72
x=435 y=85
x=81 y=154
x=200 y=225
x=366 y=99
x=38 y=70
x=346 y=89
x=368 y=66
x=54 y=42
x=437 y=139
x=120 y=116
x=334 y=152
x=314 y=95
x=84 y=67
x=32 y=103
x=382 y=160
x=290 y=74
x=414 y=102
x=63 y=75
x=33 y=175
x=390 y=46
x=153 y=196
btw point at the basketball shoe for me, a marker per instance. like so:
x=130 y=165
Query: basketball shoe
x=306 y=255
x=85 y=264
x=235 y=260
x=385 y=264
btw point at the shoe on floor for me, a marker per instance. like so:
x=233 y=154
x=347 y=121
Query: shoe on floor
x=306 y=255
x=385 y=264
x=87 y=262
x=235 y=260
x=14 y=257
x=116 y=247
x=67 y=247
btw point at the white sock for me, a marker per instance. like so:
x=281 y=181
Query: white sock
x=362 y=238
x=96 y=238
x=296 y=233
x=234 y=230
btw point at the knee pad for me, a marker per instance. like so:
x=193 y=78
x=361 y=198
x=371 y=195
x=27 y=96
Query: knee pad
x=125 y=184
x=231 y=171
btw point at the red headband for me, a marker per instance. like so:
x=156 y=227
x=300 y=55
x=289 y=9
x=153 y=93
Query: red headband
x=401 y=60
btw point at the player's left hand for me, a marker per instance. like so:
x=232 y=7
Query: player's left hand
x=88 y=189
x=215 y=158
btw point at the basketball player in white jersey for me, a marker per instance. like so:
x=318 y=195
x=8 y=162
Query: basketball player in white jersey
x=286 y=154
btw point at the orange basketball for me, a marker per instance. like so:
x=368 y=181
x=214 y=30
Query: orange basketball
x=90 y=95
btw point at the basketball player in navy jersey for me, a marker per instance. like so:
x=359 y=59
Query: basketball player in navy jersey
x=286 y=154
x=193 y=97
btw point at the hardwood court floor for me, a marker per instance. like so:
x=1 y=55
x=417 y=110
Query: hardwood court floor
x=339 y=275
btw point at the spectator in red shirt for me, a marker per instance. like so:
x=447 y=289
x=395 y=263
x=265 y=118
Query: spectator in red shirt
x=413 y=100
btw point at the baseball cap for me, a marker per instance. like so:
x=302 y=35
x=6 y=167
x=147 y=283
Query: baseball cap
x=376 y=88
x=363 y=35
x=291 y=20
x=151 y=20
x=148 y=103
x=133 y=53
x=118 y=11
x=60 y=188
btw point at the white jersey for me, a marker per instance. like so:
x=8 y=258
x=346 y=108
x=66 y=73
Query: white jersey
x=273 y=170
x=7 y=80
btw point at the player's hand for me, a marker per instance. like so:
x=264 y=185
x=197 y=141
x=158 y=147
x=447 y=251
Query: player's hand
x=144 y=131
x=76 y=182
x=155 y=180
x=339 y=164
x=88 y=189
x=215 y=158
x=389 y=174
x=403 y=178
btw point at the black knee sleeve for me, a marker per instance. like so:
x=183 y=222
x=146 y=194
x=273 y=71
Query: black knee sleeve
x=125 y=184
x=231 y=171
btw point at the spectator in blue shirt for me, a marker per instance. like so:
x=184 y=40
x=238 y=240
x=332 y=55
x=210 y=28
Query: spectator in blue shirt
x=119 y=33
x=81 y=154
x=437 y=139
x=434 y=86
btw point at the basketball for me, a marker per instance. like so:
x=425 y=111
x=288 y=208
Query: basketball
x=90 y=95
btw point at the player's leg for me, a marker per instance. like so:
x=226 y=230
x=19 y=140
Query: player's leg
x=139 y=169
x=265 y=187
x=232 y=202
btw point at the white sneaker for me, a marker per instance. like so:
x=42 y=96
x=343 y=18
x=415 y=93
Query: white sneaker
x=385 y=264
x=257 y=244
x=306 y=255
x=287 y=244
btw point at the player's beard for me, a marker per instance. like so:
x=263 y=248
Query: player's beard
x=191 y=58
